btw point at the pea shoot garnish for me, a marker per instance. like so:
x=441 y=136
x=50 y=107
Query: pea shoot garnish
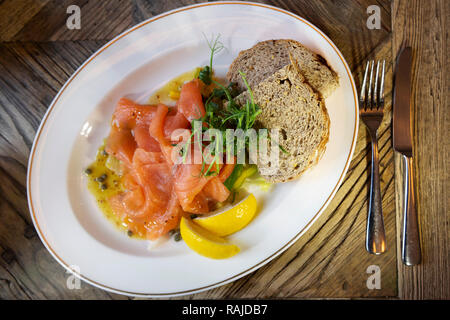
x=206 y=73
x=222 y=112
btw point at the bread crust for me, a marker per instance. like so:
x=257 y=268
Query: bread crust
x=289 y=103
x=267 y=57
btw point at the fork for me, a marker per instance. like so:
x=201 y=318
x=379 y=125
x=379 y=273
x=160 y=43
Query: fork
x=371 y=113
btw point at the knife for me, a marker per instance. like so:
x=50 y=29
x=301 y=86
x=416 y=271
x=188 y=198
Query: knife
x=403 y=143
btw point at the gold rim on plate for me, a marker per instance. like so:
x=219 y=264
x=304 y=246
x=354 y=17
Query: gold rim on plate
x=241 y=274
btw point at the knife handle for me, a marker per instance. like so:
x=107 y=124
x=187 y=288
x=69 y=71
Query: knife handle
x=375 y=235
x=410 y=237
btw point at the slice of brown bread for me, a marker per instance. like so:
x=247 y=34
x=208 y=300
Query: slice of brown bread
x=267 y=57
x=290 y=105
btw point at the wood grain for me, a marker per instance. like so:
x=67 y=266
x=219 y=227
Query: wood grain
x=425 y=29
x=329 y=261
x=14 y=15
x=32 y=73
x=46 y=20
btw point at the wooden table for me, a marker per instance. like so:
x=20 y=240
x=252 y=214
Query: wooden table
x=38 y=54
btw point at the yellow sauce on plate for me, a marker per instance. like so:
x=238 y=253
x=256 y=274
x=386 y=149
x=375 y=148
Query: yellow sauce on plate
x=170 y=92
x=104 y=181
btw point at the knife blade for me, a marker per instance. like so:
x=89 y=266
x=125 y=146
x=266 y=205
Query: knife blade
x=402 y=140
x=402 y=104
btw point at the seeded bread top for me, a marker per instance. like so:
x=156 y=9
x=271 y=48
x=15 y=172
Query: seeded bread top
x=267 y=57
x=290 y=105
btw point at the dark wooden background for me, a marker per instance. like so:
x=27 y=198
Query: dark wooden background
x=38 y=54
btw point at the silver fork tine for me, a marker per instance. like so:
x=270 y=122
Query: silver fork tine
x=375 y=90
x=369 y=94
x=382 y=82
x=372 y=115
x=364 y=84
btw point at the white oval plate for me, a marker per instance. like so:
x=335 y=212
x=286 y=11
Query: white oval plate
x=134 y=64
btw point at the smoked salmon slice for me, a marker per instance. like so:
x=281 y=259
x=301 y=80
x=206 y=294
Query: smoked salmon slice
x=165 y=221
x=190 y=103
x=215 y=189
x=226 y=171
x=149 y=197
x=147 y=182
x=157 y=189
x=130 y=129
x=121 y=144
x=189 y=183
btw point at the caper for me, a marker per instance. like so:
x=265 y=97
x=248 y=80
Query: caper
x=172 y=232
x=88 y=171
x=193 y=216
x=104 y=186
x=102 y=178
x=130 y=233
x=177 y=237
x=104 y=153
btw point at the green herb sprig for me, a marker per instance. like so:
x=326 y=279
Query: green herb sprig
x=206 y=73
x=230 y=116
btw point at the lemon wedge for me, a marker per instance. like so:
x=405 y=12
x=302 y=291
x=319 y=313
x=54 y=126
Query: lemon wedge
x=229 y=219
x=204 y=242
